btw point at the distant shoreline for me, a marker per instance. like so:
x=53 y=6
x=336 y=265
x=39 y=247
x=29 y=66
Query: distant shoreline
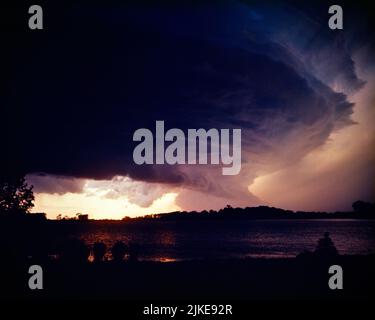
x=240 y=214
x=361 y=211
x=152 y=220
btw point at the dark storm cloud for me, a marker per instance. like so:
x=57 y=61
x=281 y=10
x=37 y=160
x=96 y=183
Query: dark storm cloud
x=302 y=29
x=58 y=185
x=81 y=87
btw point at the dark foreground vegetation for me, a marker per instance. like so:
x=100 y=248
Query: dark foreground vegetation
x=255 y=279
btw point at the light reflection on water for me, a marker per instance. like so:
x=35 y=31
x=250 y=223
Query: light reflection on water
x=173 y=241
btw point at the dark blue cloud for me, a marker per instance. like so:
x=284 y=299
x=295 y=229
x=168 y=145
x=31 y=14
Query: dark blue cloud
x=81 y=88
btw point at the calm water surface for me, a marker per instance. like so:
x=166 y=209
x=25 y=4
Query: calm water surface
x=171 y=241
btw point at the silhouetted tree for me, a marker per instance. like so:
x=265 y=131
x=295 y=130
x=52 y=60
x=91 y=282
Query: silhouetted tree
x=74 y=250
x=362 y=206
x=15 y=195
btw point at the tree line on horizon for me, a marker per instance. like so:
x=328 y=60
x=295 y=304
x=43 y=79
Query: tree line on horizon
x=361 y=209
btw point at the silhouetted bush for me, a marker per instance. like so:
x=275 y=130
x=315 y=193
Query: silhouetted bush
x=74 y=250
x=118 y=251
x=99 y=249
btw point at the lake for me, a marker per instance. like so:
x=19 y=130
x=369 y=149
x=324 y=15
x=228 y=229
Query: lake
x=186 y=240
